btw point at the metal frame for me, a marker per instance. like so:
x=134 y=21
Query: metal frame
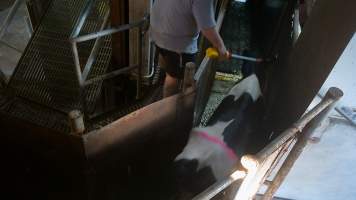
x=75 y=38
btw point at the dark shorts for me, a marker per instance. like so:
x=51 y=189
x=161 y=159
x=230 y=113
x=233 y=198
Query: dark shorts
x=174 y=63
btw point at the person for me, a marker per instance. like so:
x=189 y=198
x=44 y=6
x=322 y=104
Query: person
x=174 y=28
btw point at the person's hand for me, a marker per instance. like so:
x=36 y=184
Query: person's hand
x=224 y=54
x=221 y=54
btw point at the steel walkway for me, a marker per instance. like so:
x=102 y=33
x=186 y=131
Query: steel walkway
x=46 y=72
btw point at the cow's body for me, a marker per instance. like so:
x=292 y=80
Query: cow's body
x=217 y=147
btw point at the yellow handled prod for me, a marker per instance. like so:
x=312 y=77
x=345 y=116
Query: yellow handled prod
x=212 y=53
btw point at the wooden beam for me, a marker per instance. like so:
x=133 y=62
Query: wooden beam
x=325 y=36
x=120 y=49
x=137 y=10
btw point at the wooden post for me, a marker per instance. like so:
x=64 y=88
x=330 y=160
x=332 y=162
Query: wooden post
x=76 y=122
x=120 y=48
x=137 y=10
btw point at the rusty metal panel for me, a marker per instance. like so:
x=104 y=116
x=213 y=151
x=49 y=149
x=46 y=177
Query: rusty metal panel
x=160 y=129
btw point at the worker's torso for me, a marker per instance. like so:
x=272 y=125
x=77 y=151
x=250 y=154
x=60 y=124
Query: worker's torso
x=173 y=26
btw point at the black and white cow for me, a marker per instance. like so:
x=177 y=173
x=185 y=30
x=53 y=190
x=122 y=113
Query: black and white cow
x=217 y=148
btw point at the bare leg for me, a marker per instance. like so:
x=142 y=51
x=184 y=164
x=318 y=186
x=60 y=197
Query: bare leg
x=170 y=86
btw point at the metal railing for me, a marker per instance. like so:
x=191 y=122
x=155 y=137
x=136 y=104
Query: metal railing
x=82 y=76
x=259 y=167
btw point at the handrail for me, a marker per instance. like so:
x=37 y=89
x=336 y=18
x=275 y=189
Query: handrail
x=97 y=35
x=107 y=32
x=75 y=38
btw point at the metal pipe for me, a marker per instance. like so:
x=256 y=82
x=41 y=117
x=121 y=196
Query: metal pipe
x=151 y=63
x=299 y=125
x=9 y=17
x=219 y=186
x=110 y=75
x=78 y=70
x=106 y=32
x=246 y=58
x=333 y=93
x=95 y=50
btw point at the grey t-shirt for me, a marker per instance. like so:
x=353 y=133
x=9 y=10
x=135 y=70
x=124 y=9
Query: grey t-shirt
x=175 y=24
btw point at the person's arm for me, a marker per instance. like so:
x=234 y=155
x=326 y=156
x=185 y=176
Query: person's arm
x=203 y=11
x=215 y=39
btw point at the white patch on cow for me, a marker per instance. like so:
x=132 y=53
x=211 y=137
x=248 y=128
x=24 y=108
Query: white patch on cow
x=249 y=85
x=208 y=154
x=216 y=129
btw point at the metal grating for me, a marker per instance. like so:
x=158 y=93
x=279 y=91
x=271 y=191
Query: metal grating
x=34 y=113
x=46 y=72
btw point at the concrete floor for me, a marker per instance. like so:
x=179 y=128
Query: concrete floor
x=15 y=40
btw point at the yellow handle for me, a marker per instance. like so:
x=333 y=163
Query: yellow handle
x=212 y=53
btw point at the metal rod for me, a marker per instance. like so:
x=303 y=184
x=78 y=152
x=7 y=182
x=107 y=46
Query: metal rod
x=219 y=186
x=246 y=58
x=77 y=63
x=106 y=32
x=9 y=17
x=333 y=93
x=151 y=63
x=299 y=125
x=110 y=75
x=95 y=50
x=82 y=17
